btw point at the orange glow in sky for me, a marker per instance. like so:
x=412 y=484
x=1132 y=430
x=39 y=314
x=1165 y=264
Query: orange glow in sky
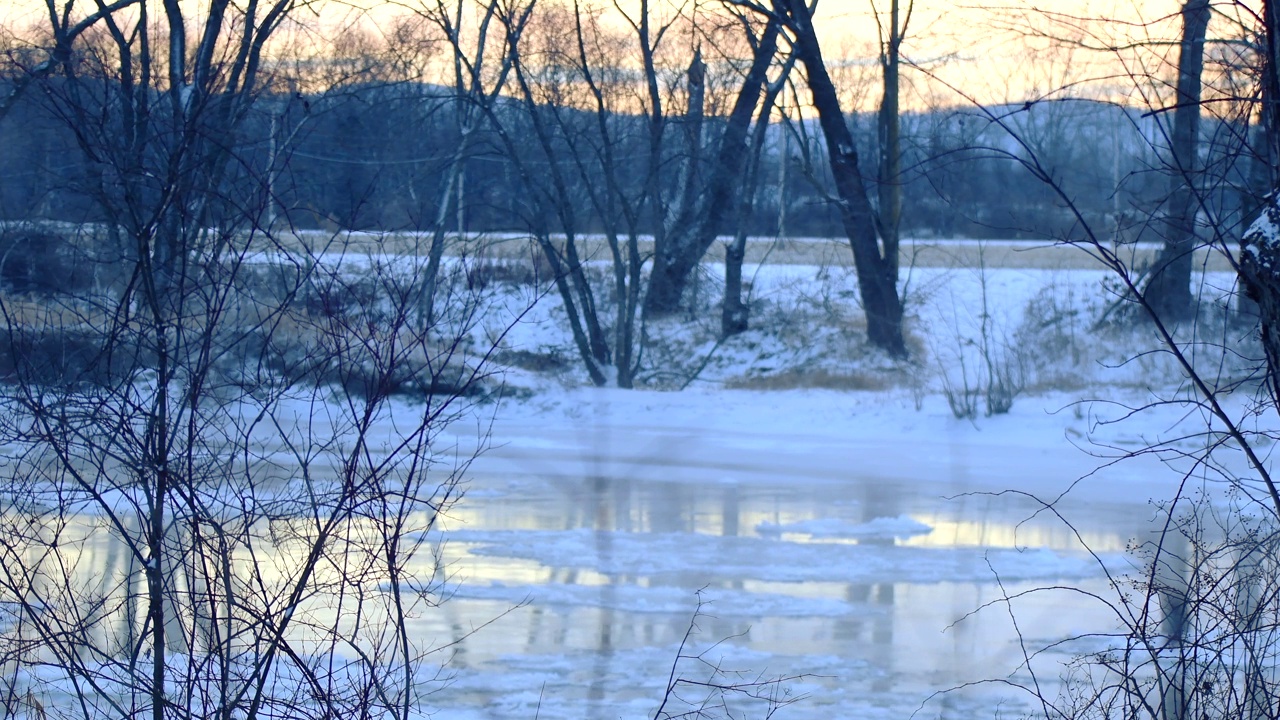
x=991 y=51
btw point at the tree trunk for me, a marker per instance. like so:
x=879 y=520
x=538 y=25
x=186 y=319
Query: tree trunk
x=1270 y=110
x=735 y=313
x=687 y=193
x=1169 y=290
x=877 y=272
x=890 y=137
x=1265 y=139
x=686 y=245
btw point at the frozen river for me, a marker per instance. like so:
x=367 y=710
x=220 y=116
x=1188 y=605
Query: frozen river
x=883 y=561
x=853 y=559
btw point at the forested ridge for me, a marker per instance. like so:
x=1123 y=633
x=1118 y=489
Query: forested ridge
x=373 y=157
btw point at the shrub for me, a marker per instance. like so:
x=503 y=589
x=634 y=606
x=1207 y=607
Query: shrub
x=59 y=357
x=39 y=262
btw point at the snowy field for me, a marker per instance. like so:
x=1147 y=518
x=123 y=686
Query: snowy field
x=860 y=542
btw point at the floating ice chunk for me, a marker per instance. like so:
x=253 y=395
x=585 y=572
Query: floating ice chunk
x=902 y=526
x=712 y=557
x=659 y=599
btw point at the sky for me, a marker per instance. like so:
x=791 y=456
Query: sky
x=994 y=52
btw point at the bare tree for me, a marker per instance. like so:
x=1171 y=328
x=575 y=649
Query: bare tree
x=696 y=226
x=552 y=201
x=875 y=257
x=735 y=313
x=889 y=125
x=208 y=510
x=55 y=56
x=594 y=162
x=469 y=80
x=1169 y=289
x=1270 y=90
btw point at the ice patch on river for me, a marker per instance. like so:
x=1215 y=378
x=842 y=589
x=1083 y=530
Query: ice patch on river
x=662 y=599
x=772 y=560
x=902 y=526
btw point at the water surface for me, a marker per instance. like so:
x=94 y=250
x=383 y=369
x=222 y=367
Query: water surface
x=811 y=561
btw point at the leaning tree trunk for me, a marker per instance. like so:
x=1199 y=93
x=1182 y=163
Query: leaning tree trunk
x=1169 y=290
x=877 y=272
x=688 y=242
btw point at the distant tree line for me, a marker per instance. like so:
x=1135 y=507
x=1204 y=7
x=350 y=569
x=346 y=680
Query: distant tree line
x=374 y=157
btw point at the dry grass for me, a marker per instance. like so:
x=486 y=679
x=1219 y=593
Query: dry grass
x=816 y=380
x=24 y=312
x=796 y=251
x=540 y=362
